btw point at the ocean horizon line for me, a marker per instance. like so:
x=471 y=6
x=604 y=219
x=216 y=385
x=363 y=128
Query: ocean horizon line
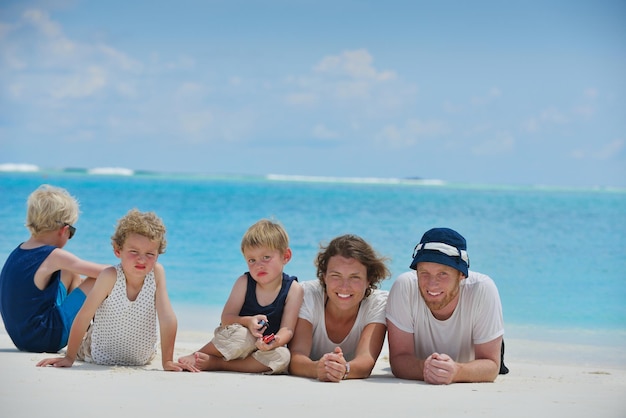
x=117 y=171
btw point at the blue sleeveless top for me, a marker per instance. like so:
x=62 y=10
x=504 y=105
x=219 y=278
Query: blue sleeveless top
x=30 y=315
x=273 y=311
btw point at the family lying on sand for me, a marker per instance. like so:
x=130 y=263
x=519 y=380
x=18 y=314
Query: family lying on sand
x=444 y=322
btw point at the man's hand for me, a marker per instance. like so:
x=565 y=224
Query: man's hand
x=440 y=369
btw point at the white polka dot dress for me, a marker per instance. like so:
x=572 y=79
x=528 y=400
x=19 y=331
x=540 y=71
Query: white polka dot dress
x=124 y=332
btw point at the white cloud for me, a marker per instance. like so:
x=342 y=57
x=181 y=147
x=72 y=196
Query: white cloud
x=585 y=111
x=352 y=90
x=60 y=68
x=194 y=123
x=77 y=85
x=16 y=90
x=531 y=125
x=610 y=150
x=5 y=28
x=54 y=45
x=503 y=143
x=591 y=93
x=412 y=132
x=41 y=21
x=118 y=59
x=14 y=62
x=477 y=101
x=450 y=107
x=301 y=98
x=355 y=64
x=347 y=76
x=549 y=116
x=320 y=131
x=189 y=90
x=493 y=94
x=127 y=90
x=184 y=62
x=553 y=115
x=9 y=53
x=350 y=78
x=607 y=151
x=577 y=154
x=81 y=135
x=393 y=136
x=429 y=128
x=479 y=129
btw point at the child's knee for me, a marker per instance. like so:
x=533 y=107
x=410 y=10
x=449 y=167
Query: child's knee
x=276 y=359
x=234 y=341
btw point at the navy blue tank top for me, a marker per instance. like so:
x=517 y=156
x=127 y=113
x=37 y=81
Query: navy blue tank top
x=273 y=311
x=30 y=315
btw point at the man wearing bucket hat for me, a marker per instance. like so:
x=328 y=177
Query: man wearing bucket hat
x=444 y=321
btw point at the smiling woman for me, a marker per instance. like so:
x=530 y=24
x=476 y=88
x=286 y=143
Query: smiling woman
x=341 y=327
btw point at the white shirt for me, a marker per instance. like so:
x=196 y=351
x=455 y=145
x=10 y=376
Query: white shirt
x=477 y=318
x=371 y=311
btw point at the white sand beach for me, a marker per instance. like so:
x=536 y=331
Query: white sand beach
x=538 y=385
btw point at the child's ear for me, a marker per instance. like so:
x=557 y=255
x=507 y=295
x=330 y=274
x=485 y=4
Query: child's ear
x=287 y=256
x=117 y=251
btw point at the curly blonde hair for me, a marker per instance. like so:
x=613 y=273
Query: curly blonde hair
x=147 y=224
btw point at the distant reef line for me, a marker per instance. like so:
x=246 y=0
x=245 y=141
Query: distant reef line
x=122 y=171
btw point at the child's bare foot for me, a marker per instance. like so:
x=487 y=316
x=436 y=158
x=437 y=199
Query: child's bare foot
x=189 y=359
x=202 y=361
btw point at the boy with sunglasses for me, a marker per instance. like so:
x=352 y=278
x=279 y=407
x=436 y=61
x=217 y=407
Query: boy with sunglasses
x=42 y=287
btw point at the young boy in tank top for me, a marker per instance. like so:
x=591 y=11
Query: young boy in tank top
x=42 y=286
x=261 y=312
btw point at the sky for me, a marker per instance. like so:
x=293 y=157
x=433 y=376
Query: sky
x=482 y=92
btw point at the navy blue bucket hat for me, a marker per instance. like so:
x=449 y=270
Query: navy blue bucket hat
x=443 y=246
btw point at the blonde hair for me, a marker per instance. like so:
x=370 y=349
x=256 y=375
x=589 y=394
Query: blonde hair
x=147 y=224
x=50 y=208
x=265 y=233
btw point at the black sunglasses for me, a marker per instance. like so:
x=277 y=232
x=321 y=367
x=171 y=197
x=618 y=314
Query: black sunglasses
x=72 y=229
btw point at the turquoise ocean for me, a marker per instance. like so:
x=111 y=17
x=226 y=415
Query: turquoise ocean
x=558 y=256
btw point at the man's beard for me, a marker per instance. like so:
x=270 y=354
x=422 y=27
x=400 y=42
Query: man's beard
x=438 y=305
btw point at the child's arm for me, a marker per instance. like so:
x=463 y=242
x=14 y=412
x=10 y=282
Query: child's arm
x=101 y=289
x=61 y=259
x=230 y=313
x=289 y=318
x=168 y=323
